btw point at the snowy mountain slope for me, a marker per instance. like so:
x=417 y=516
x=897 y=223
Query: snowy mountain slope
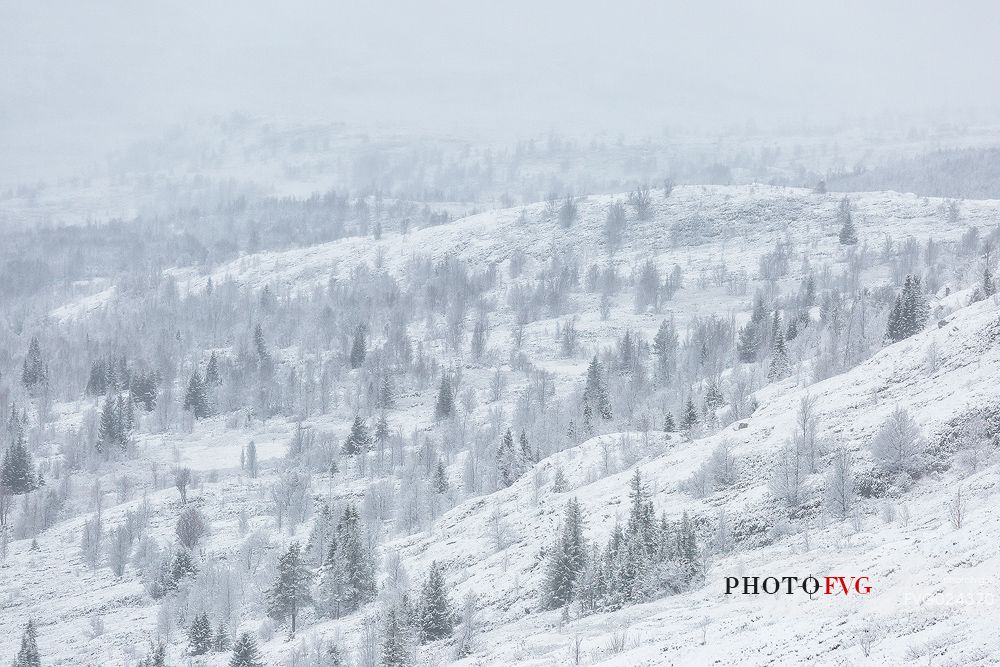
x=916 y=569
x=744 y=224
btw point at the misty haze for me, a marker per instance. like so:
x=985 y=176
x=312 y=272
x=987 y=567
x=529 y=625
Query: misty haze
x=565 y=333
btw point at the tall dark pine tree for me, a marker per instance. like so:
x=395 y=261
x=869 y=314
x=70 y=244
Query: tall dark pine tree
x=359 y=440
x=440 y=480
x=848 y=234
x=595 y=393
x=507 y=466
x=435 y=615
x=358 y=348
x=33 y=372
x=566 y=559
x=157 y=656
x=445 y=406
x=689 y=417
x=668 y=422
x=246 y=653
x=348 y=577
x=260 y=345
x=290 y=591
x=779 y=355
x=909 y=312
x=212 y=376
x=17 y=472
x=107 y=429
x=394 y=653
x=200 y=635
x=665 y=348
x=196 y=398
x=28 y=656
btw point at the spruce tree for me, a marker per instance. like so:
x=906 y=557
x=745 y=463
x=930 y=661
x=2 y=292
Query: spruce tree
x=358 y=347
x=359 y=440
x=260 y=345
x=382 y=430
x=245 y=652
x=27 y=655
x=668 y=422
x=212 y=376
x=347 y=579
x=220 y=642
x=125 y=411
x=665 y=348
x=595 y=393
x=157 y=656
x=200 y=635
x=445 y=406
x=107 y=429
x=779 y=355
x=17 y=472
x=848 y=235
x=33 y=372
x=195 y=399
x=394 y=653
x=689 y=419
x=566 y=559
x=434 y=614
x=525 y=454
x=747 y=343
x=440 y=481
x=291 y=590
x=181 y=566
x=507 y=468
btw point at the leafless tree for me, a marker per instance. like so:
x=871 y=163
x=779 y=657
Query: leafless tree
x=191 y=527
x=182 y=478
x=840 y=489
x=899 y=443
x=958 y=507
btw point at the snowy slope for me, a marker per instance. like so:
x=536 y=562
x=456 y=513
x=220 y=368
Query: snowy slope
x=914 y=567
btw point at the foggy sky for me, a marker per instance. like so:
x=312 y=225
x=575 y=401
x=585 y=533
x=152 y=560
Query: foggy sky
x=487 y=66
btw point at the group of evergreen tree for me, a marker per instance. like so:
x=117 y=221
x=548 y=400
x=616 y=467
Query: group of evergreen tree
x=752 y=335
x=513 y=460
x=114 y=431
x=596 y=404
x=17 y=472
x=111 y=377
x=108 y=375
x=566 y=560
x=34 y=372
x=202 y=639
x=347 y=576
x=196 y=397
x=292 y=589
x=909 y=311
x=359 y=441
x=431 y=619
x=643 y=559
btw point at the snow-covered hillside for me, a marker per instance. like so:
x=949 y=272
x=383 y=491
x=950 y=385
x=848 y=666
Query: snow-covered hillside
x=929 y=576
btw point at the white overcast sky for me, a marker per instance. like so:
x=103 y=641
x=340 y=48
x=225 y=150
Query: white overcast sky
x=516 y=65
